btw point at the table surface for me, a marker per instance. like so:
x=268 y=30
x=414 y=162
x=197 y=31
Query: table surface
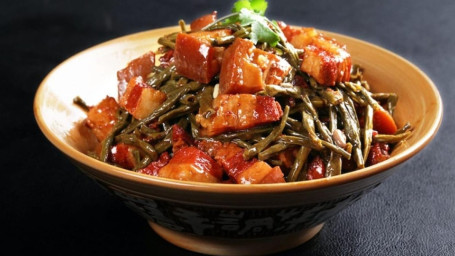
x=49 y=207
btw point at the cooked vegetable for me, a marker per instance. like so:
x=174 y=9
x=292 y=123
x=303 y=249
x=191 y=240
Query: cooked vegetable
x=246 y=100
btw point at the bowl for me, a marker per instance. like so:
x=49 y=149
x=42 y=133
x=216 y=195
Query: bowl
x=227 y=219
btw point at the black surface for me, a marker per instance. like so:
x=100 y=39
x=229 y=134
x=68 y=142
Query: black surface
x=49 y=207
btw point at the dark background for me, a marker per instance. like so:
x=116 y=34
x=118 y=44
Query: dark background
x=48 y=207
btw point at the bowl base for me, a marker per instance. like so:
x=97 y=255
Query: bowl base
x=226 y=246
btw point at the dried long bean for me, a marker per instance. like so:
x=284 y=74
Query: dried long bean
x=261 y=145
x=299 y=162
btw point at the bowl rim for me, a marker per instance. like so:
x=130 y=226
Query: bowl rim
x=148 y=180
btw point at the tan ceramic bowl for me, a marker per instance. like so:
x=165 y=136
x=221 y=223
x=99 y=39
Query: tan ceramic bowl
x=228 y=219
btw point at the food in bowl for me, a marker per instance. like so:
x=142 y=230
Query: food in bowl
x=244 y=100
x=230 y=219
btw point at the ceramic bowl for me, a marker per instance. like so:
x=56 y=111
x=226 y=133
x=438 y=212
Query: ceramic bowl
x=227 y=219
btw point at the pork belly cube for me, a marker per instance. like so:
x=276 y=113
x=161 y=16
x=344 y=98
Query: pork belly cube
x=102 y=117
x=220 y=151
x=123 y=156
x=260 y=173
x=203 y=21
x=246 y=69
x=325 y=59
x=252 y=171
x=192 y=164
x=140 y=66
x=273 y=67
x=194 y=56
x=180 y=138
x=238 y=74
x=230 y=157
x=238 y=112
x=141 y=100
x=325 y=67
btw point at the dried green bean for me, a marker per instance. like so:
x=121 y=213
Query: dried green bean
x=177 y=112
x=392 y=138
x=188 y=99
x=299 y=162
x=351 y=125
x=166 y=143
x=334 y=164
x=168 y=40
x=205 y=102
x=81 y=103
x=367 y=132
x=332 y=97
x=130 y=139
x=241 y=143
x=272 y=150
x=158 y=78
x=308 y=125
x=246 y=134
x=122 y=121
x=261 y=145
x=299 y=139
x=407 y=126
x=223 y=40
x=182 y=26
x=283 y=89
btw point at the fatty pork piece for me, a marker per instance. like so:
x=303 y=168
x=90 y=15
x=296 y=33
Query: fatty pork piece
x=246 y=69
x=140 y=99
x=325 y=59
x=102 y=117
x=230 y=157
x=239 y=111
x=188 y=162
x=195 y=57
x=140 y=66
x=203 y=21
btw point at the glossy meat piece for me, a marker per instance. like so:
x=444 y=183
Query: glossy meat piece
x=260 y=173
x=141 y=100
x=192 y=164
x=140 y=66
x=246 y=69
x=326 y=60
x=122 y=155
x=379 y=152
x=238 y=112
x=194 y=56
x=273 y=67
x=316 y=169
x=102 y=117
x=180 y=138
x=203 y=21
x=220 y=151
x=230 y=157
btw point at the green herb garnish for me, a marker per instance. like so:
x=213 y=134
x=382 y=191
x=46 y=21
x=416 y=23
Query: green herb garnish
x=257 y=6
x=251 y=14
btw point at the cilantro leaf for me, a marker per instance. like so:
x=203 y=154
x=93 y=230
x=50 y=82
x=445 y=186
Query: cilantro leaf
x=260 y=30
x=257 y=6
x=241 y=4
